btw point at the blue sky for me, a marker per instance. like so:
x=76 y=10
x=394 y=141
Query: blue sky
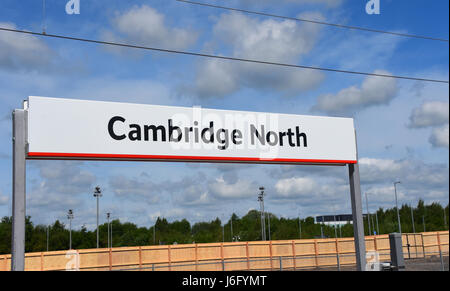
x=402 y=125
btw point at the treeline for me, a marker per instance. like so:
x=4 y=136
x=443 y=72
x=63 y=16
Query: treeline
x=246 y=228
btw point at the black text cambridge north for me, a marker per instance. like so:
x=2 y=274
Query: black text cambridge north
x=208 y=135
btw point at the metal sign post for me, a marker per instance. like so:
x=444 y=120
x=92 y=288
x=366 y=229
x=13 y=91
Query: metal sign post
x=358 y=223
x=18 y=201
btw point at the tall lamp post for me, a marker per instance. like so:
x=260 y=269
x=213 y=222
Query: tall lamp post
x=223 y=228
x=48 y=230
x=299 y=227
x=412 y=218
x=70 y=217
x=263 y=220
x=231 y=227
x=368 y=216
x=376 y=218
x=97 y=194
x=108 y=215
x=396 y=205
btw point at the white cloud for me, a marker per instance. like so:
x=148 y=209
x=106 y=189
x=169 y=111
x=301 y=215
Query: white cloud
x=373 y=91
x=61 y=185
x=432 y=113
x=121 y=90
x=327 y=3
x=144 y=25
x=224 y=190
x=440 y=136
x=3 y=199
x=296 y=187
x=194 y=194
x=269 y=40
x=330 y=3
x=21 y=51
x=63 y=177
x=410 y=172
x=141 y=188
x=385 y=195
x=328 y=191
x=350 y=50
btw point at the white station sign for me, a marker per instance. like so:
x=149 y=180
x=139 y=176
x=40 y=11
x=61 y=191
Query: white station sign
x=80 y=129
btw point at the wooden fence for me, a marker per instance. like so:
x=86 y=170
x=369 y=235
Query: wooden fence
x=257 y=255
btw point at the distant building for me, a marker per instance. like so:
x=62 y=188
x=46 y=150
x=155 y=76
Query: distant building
x=336 y=219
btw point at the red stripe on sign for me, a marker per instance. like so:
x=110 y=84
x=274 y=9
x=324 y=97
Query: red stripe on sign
x=193 y=158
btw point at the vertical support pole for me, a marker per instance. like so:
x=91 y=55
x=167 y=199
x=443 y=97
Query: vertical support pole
x=97 y=225
x=438 y=237
x=168 y=254
x=47 y=236
x=408 y=246
x=42 y=261
x=271 y=259
x=221 y=257
x=18 y=199
x=375 y=245
x=368 y=216
x=109 y=245
x=140 y=258
x=415 y=245
x=423 y=246
x=337 y=255
x=358 y=223
x=110 y=258
x=5 y=260
x=440 y=249
x=248 y=256
x=412 y=219
x=294 y=257
x=196 y=257
x=316 y=253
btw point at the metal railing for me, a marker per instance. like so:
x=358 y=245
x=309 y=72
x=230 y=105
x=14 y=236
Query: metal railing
x=281 y=263
x=432 y=261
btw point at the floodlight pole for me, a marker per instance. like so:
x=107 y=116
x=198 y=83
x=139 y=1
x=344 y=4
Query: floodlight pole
x=223 y=228
x=368 y=215
x=18 y=184
x=97 y=194
x=423 y=223
x=107 y=216
x=445 y=218
x=263 y=220
x=376 y=217
x=299 y=227
x=231 y=227
x=412 y=218
x=70 y=217
x=47 y=236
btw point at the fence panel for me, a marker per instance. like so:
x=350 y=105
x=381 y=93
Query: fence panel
x=257 y=255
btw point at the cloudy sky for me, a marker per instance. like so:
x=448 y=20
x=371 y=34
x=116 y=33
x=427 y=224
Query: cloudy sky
x=402 y=126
